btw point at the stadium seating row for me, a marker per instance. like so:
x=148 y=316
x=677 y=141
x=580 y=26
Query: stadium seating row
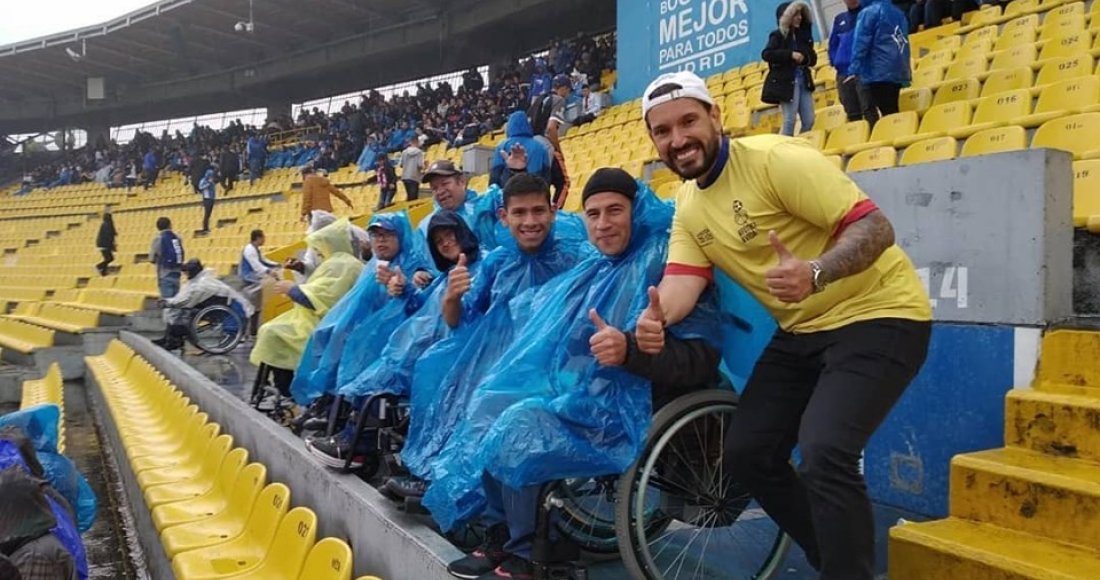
x=56 y=316
x=23 y=337
x=49 y=390
x=217 y=515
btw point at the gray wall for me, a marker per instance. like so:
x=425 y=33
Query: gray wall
x=992 y=235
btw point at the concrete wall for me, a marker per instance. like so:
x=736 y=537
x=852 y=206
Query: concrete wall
x=386 y=542
x=992 y=235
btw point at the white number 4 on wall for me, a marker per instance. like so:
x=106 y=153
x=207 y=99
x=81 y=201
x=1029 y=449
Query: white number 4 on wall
x=952 y=284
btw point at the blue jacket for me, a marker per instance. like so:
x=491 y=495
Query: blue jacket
x=519 y=131
x=880 y=50
x=840 y=41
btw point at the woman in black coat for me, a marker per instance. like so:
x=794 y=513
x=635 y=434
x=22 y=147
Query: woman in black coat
x=791 y=57
x=105 y=241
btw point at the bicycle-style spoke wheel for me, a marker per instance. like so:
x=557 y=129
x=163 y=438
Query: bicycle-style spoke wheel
x=217 y=329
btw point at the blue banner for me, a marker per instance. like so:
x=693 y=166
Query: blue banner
x=702 y=36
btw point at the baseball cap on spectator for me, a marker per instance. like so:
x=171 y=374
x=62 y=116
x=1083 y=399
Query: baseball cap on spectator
x=441 y=168
x=562 y=80
x=691 y=86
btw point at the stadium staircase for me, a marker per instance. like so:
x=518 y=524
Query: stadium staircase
x=1030 y=510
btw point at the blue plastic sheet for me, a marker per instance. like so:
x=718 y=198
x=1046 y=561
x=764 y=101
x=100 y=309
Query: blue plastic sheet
x=317 y=371
x=446 y=375
x=39 y=424
x=519 y=132
x=547 y=410
x=469 y=212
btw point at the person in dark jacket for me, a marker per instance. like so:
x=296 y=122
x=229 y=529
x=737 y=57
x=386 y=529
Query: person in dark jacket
x=230 y=165
x=791 y=57
x=880 y=56
x=849 y=89
x=105 y=242
x=198 y=170
x=387 y=182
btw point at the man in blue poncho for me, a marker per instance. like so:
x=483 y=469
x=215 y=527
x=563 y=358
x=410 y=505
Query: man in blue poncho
x=520 y=145
x=569 y=397
x=394 y=247
x=379 y=356
x=537 y=250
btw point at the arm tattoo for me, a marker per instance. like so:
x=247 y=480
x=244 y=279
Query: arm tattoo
x=857 y=247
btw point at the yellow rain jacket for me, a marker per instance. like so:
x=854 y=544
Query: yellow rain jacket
x=281 y=340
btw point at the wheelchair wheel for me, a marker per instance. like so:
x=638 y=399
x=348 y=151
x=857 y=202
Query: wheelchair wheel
x=712 y=528
x=217 y=329
x=587 y=513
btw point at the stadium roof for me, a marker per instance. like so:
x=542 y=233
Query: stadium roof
x=182 y=57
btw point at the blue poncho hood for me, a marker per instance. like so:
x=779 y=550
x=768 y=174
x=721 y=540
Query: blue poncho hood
x=316 y=373
x=547 y=410
x=519 y=130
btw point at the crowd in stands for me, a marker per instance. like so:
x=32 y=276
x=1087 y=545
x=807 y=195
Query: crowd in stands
x=361 y=131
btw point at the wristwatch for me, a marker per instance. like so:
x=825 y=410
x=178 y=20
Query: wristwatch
x=818 y=276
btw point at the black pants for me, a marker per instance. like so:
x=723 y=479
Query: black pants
x=108 y=257
x=412 y=188
x=229 y=180
x=385 y=197
x=883 y=100
x=828 y=392
x=207 y=209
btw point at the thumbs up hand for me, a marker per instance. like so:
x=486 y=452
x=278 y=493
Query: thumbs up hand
x=458 y=279
x=792 y=280
x=650 y=332
x=608 y=344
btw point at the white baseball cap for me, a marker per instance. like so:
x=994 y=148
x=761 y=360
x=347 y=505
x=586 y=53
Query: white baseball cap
x=691 y=86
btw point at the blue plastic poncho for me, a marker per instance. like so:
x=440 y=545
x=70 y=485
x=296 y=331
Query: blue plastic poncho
x=23 y=518
x=447 y=374
x=491 y=231
x=39 y=424
x=519 y=132
x=382 y=362
x=317 y=371
x=547 y=410
x=468 y=210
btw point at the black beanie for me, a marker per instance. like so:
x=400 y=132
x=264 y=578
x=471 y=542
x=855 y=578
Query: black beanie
x=610 y=179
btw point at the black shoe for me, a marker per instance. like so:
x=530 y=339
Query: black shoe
x=485 y=558
x=333 y=452
x=406 y=487
x=514 y=568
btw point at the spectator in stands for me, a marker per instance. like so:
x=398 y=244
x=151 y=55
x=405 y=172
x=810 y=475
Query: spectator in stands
x=149 y=168
x=105 y=242
x=449 y=192
x=854 y=319
x=257 y=157
x=316 y=193
x=208 y=189
x=591 y=103
x=252 y=270
x=387 y=182
x=880 y=57
x=229 y=163
x=203 y=289
x=280 y=342
x=167 y=253
x=548 y=120
x=791 y=57
x=540 y=81
x=412 y=167
x=199 y=165
x=848 y=88
x=520 y=152
x=26 y=521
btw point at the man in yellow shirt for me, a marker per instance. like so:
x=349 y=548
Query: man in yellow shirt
x=854 y=320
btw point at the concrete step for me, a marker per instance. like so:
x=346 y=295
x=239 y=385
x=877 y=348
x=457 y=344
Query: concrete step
x=1069 y=357
x=1027 y=491
x=1064 y=422
x=955 y=549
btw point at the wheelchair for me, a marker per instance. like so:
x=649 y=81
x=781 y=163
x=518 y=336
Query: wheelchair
x=215 y=326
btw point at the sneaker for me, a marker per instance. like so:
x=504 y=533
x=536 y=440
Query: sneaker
x=406 y=487
x=514 y=567
x=485 y=558
x=333 y=452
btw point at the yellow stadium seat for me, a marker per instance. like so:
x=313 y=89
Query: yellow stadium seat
x=989 y=14
x=243 y=552
x=830 y=118
x=929 y=150
x=836 y=160
x=996 y=111
x=1013 y=37
x=1067 y=45
x=938 y=59
x=1075 y=133
x=1055 y=25
x=960 y=90
x=886 y=130
x=980 y=48
x=1028 y=22
x=1010 y=138
x=1074 y=95
x=1018 y=7
x=203 y=473
x=929 y=77
x=1086 y=191
x=195 y=504
x=1063 y=10
x=1015 y=57
x=918 y=99
x=971 y=68
x=980 y=34
x=950 y=42
x=23 y=337
x=877 y=158
x=848 y=134
x=225 y=525
x=330 y=559
x=937 y=122
x=287 y=555
x=1000 y=81
x=815 y=138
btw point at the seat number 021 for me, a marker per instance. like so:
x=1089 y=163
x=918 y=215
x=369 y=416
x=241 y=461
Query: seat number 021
x=946 y=283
